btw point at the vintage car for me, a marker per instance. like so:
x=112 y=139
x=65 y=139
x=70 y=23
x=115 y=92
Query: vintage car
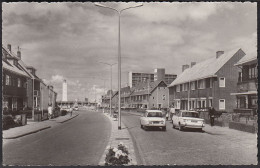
x=187 y=119
x=76 y=108
x=153 y=118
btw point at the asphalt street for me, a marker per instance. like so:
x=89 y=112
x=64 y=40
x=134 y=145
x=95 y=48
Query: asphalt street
x=80 y=141
x=156 y=147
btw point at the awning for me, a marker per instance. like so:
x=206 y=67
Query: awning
x=244 y=93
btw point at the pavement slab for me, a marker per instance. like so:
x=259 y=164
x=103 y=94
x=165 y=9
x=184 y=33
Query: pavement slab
x=119 y=136
x=33 y=127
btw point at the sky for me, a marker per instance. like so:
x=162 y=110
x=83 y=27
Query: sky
x=68 y=40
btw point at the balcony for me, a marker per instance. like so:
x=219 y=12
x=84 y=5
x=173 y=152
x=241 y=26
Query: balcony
x=246 y=86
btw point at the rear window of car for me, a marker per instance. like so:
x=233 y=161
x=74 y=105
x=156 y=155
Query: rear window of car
x=190 y=114
x=154 y=114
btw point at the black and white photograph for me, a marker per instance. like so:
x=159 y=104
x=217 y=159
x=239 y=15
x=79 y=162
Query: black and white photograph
x=129 y=83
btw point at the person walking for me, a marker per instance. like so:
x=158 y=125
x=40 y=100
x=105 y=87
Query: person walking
x=50 y=111
x=212 y=115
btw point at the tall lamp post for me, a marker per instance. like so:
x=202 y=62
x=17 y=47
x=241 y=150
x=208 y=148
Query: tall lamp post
x=110 y=84
x=119 y=56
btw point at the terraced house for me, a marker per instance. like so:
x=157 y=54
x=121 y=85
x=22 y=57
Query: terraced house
x=149 y=95
x=246 y=95
x=208 y=83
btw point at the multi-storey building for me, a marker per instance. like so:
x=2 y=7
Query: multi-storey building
x=159 y=74
x=208 y=83
x=246 y=95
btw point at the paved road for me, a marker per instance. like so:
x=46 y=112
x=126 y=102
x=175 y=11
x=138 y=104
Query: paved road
x=190 y=147
x=80 y=141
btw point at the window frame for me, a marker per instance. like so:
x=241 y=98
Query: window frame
x=220 y=104
x=224 y=83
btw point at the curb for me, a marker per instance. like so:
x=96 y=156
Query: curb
x=18 y=136
x=68 y=119
x=132 y=154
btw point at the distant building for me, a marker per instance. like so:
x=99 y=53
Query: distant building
x=208 y=83
x=64 y=91
x=159 y=74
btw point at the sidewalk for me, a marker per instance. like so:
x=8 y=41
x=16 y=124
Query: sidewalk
x=118 y=136
x=33 y=127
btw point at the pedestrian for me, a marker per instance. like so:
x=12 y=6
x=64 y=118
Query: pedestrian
x=167 y=115
x=50 y=111
x=212 y=115
x=71 y=110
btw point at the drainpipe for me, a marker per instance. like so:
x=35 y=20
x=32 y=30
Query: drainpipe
x=33 y=98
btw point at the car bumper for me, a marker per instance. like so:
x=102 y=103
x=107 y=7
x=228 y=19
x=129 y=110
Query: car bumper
x=193 y=125
x=155 y=125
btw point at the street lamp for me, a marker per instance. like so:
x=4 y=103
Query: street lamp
x=110 y=84
x=119 y=56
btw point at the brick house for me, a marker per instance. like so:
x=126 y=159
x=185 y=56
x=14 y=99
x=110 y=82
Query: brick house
x=150 y=95
x=208 y=83
x=14 y=81
x=246 y=93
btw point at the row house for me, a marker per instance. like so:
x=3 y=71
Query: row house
x=208 y=83
x=150 y=95
x=22 y=88
x=246 y=95
x=106 y=99
x=14 y=82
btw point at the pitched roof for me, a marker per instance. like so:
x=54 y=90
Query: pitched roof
x=251 y=55
x=14 y=69
x=204 y=69
x=142 y=87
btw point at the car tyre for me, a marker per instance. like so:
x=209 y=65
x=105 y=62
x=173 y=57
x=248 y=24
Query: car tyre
x=180 y=127
x=141 y=126
x=173 y=126
x=164 y=128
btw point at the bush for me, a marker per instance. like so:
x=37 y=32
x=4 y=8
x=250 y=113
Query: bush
x=117 y=156
x=8 y=122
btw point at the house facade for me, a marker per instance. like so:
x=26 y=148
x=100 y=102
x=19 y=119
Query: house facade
x=208 y=83
x=246 y=93
x=149 y=95
x=14 y=80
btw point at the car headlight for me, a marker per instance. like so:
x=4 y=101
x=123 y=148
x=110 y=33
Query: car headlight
x=184 y=120
x=150 y=122
x=162 y=122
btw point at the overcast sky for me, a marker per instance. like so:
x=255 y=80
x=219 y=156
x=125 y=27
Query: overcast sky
x=68 y=40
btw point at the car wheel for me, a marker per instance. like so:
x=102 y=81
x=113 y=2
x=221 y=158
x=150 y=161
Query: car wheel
x=164 y=128
x=180 y=127
x=173 y=126
x=200 y=130
x=141 y=126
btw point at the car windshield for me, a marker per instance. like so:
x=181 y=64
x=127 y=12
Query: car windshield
x=190 y=114
x=154 y=114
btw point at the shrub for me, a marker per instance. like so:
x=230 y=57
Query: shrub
x=117 y=156
x=8 y=122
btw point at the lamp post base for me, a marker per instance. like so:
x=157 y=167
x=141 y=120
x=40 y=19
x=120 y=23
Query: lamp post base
x=119 y=127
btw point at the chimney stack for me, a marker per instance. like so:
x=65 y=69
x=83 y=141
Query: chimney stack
x=219 y=53
x=9 y=47
x=192 y=64
x=19 y=53
x=184 y=67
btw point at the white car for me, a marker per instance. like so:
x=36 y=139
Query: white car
x=153 y=118
x=187 y=119
x=76 y=108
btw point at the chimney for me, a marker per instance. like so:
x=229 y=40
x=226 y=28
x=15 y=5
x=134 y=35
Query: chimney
x=219 y=53
x=19 y=54
x=9 y=47
x=184 y=67
x=192 y=64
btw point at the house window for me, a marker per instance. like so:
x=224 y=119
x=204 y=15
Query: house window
x=222 y=104
x=185 y=86
x=153 y=105
x=210 y=82
x=163 y=97
x=7 y=80
x=177 y=88
x=201 y=84
x=221 y=82
x=192 y=85
x=210 y=102
x=178 y=104
x=252 y=72
x=18 y=82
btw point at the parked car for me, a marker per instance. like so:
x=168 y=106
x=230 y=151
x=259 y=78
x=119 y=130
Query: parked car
x=76 y=108
x=187 y=119
x=115 y=113
x=153 y=118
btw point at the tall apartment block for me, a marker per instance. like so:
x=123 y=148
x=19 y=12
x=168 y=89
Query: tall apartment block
x=159 y=74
